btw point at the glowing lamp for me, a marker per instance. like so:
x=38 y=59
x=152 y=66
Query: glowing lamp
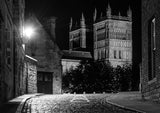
x=28 y=31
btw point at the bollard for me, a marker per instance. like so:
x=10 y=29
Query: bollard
x=94 y=92
x=104 y=93
x=84 y=92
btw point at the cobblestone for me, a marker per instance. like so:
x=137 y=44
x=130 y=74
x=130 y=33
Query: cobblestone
x=63 y=104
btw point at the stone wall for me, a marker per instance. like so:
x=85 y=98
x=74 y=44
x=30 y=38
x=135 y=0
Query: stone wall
x=44 y=48
x=31 y=75
x=150 y=88
x=12 y=52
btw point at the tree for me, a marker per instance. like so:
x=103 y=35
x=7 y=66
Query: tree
x=124 y=76
x=90 y=76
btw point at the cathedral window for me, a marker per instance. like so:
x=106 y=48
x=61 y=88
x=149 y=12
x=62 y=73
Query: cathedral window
x=101 y=36
x=99 y=54
x=103 y=53
x=127 y=55
x=76 y=43
x=102 y=27
x=107 y=53
x=120 y=54
x=115 y=54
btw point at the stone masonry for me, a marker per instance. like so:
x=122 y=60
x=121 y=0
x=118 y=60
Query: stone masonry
x=150 y=79
x=30 y=78
x=42 y=46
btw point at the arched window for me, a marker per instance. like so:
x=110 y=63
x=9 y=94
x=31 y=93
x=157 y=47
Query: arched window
x=151 y=48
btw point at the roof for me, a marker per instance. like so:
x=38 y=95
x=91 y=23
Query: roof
x=30 y=58
x=76 y=54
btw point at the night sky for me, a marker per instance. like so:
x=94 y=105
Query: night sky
x=64 y=9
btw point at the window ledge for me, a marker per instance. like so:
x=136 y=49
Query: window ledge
x=152 y=81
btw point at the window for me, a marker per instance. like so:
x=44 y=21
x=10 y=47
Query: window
x=120 y=55
x=99 y=54
x=151 y=49
x=103 y=53
x=100 y=36
x=76 y=43
x=8 y=47
x=107 y=53
x=115 y=54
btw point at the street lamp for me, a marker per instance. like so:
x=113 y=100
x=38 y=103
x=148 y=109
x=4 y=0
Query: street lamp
x=29 y=31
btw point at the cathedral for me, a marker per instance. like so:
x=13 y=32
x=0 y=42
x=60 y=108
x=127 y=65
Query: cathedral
x=113 y=38
x=108 y=38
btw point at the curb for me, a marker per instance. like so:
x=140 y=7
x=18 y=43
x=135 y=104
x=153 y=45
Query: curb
x=21 y=105
x=124 y=107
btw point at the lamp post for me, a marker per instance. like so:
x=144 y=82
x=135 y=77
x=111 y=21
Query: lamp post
x=28 y=33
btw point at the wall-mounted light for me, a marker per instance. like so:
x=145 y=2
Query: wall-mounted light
x=29 y=31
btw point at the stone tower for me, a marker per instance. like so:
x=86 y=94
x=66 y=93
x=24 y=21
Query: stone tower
x=113 y=38
x=77 y=35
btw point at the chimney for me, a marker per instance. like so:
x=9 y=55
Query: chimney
x=51 y=27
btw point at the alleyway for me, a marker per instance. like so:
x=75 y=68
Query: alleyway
x=70 y=103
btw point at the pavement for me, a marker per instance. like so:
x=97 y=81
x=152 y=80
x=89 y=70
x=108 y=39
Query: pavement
x=72 y=103
x=130 y=101
x=133 y=101
x=15 y=105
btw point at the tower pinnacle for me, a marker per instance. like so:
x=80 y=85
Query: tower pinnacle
x=108 y=13
x=95 y=15
x=82 y=21
x=71 y=23
x=129 y=13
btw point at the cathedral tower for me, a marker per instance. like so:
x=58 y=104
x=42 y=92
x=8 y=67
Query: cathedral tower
x=113 y=38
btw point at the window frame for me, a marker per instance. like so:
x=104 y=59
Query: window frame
x=115 y=54
x=151 y=48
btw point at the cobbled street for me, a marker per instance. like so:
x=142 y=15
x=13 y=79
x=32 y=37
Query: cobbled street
x=71 y=103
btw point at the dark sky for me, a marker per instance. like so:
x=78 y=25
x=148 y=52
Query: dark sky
x=64 y=9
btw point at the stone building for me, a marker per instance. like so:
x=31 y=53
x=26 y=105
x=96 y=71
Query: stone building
x=11 y=49
x=108 y=39
x=150 y=69
x=71 y=59
x=80 y=36
x=30 y=75
x=113 y=38
x=80 y=45
x=42 y=46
